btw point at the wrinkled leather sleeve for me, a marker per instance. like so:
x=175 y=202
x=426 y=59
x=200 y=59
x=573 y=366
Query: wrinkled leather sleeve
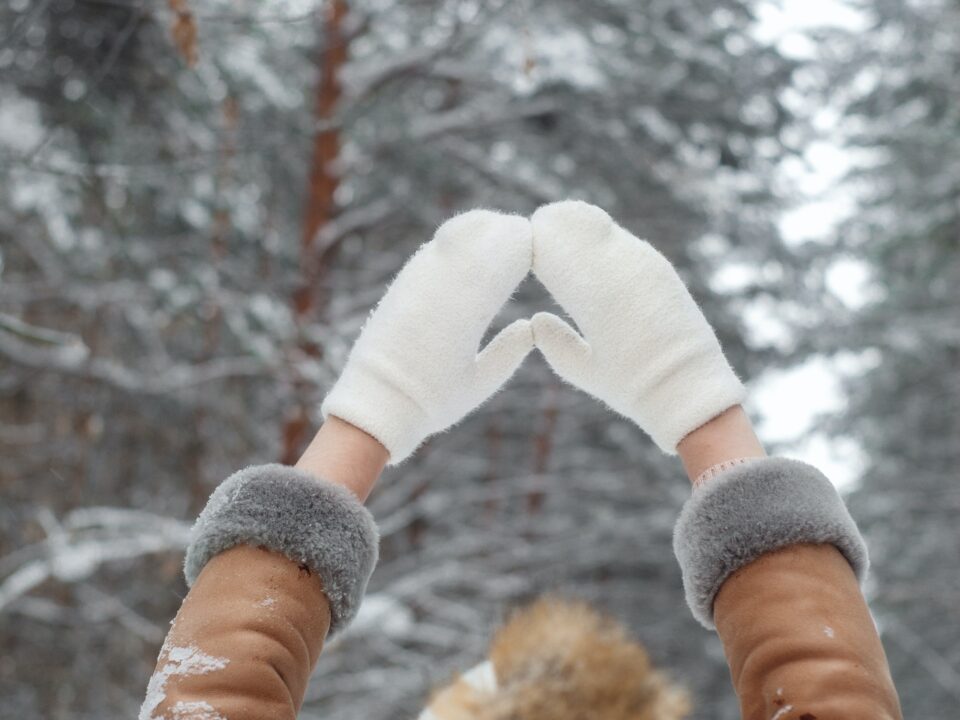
x=800 y=640
x=244 y=643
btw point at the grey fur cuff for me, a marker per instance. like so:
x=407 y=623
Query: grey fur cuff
x=311 y=521
x=753 y=509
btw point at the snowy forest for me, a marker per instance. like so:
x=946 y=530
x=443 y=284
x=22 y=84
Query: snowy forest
x=201 y=200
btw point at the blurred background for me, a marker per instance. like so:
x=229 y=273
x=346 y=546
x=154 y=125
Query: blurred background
x=200 y=201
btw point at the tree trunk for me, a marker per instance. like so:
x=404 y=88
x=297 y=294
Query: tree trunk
x=309 y=300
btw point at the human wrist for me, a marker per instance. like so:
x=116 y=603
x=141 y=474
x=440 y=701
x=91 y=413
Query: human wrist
x=716 y=469
x=343 y=454
x=727 y=437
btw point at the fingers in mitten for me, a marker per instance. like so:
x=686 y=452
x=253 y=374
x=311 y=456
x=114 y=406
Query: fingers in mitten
x=502 y=356
x=481 y=257
x=562 y=347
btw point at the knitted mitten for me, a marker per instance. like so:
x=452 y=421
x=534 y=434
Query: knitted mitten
x=415 y=369
x=644 y=348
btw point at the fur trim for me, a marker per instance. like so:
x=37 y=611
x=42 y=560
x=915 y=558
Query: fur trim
x=311 y=521
x=753 y=509
x=557 y=660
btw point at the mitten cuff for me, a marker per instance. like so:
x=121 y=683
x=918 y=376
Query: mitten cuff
x=310 y=521
x=676 y=406
x=754 y=509
x=371 y=397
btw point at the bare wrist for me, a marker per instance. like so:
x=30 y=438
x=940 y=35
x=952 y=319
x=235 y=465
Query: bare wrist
x=728 y=437
x=344 y=454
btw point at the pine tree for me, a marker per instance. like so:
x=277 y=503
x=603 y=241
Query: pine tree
x=899 y=82
x=157 y=163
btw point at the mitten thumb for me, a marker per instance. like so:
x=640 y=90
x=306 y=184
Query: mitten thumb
x=502 y=356
x=566 y=352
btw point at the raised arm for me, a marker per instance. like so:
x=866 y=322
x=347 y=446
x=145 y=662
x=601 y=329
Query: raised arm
x=769 y=555
x=280 y=557
x=771 y=560
x=250 y=631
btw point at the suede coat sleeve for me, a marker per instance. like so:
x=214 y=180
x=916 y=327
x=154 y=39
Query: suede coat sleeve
x=244 y=643
x=278 y=560
x=800 y=640
x=773 y=561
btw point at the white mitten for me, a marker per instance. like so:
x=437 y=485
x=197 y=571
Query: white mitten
x=646 y=350
x=415 y=369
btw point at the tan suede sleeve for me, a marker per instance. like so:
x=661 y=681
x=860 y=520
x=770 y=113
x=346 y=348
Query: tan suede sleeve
x=244 y=643
x=800 y=640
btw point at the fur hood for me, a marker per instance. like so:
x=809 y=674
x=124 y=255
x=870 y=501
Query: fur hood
x=557 y=660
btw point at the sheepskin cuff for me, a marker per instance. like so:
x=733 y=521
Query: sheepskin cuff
x=311 y=521
x=753 y=509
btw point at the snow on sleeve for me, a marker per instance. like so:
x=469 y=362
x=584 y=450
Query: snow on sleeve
x=199 y=710
x=180 y=661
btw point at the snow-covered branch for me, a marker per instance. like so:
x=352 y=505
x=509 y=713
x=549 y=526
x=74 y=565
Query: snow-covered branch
x=477 y=115
x=86 y=539
x=68 y=354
